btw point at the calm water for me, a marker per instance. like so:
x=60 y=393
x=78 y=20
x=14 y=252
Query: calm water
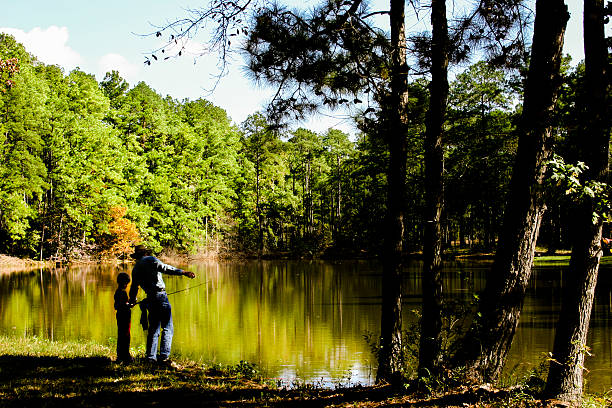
x=296 y=320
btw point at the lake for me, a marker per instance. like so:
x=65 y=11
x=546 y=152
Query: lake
x=300 y=321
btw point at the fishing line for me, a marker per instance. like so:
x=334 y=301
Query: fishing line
x=177 y=291
x=187 y=288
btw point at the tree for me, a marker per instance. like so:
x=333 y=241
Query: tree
x=490 y=337
x=480 y=147
x=430 y=348
x=114 y=87
x=308 y=166
x=22 y=172
x=78 y=158
x=567 y=364
x=122 y=234
x=262 y=148
x=206 y=172
x=338 y=150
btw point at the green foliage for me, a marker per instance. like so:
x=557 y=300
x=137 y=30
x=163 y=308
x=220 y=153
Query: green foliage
x=72 y=150
x=565 y=179
x=410 y=347
x=597 y=400
x=22 y=172
x=479 y=156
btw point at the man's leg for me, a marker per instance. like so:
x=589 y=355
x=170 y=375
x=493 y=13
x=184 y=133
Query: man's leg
x=153 y=332
x=167 y=330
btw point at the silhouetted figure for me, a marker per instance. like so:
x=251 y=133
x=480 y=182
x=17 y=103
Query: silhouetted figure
x=124 y=318
x=147 y=274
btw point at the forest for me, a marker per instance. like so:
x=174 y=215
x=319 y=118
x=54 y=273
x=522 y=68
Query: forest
x=510 y=152
x=90 y=168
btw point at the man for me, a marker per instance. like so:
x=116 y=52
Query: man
x=147 y=274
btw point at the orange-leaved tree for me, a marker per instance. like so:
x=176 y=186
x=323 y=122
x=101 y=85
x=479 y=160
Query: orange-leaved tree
x=122 y=233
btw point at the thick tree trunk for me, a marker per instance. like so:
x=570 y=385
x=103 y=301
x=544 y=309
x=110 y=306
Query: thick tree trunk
x=390 y=352
x=565 y=374
x=430 y=348
x=490 y=337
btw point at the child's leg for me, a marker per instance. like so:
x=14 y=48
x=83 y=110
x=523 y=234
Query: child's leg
x=123 y=338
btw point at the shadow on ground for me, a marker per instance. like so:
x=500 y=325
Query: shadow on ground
x=32 y=381
x=37 y=381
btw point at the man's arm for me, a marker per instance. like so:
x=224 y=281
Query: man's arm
x=171 y=270
x=134 y=289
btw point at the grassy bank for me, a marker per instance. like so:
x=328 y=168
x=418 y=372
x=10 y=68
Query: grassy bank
x=40 y=373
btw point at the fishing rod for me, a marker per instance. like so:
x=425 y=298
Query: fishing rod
x=177 y=291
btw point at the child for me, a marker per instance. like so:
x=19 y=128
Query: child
x=124 y=318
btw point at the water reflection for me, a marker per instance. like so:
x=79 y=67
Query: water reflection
x=304 y=320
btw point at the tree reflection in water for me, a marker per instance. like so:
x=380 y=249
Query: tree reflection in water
x=302 y=320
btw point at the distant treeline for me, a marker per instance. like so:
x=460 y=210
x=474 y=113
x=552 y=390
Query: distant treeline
x=88 y=169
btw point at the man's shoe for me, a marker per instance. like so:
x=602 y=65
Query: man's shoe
x=169 y=364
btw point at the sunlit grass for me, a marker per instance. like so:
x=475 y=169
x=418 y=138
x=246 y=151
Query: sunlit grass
x=563 y=260
x=36 y=346
x=552 y=260
x=39 y=372
x=73 y=373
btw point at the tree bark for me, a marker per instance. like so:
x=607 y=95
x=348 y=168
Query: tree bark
x=430 y=348
x=488 y=342
x=390 y=357
x=565 y=374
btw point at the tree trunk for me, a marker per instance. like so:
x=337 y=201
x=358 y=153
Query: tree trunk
x=430 y=347
x=258 y=206
x=488 y=342
x=390 y=352
x=565 y=374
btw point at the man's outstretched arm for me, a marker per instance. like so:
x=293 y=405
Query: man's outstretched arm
x=171 y=270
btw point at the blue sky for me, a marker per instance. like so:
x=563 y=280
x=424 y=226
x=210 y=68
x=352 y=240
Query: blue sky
x=99 y=36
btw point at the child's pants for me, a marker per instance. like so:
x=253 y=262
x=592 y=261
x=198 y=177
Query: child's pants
x=123 y=335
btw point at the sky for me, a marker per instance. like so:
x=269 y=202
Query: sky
x=101 y=36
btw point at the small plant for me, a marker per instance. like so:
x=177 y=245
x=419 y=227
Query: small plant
x=244 y=369
x=598 y=400
x=410 y=346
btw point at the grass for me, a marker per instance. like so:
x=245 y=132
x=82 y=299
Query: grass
x=552 y=260
x=35 y=372
x=563 y=260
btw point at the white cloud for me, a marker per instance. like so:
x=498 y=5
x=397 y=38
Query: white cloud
x=109 y=62
x=48 y=45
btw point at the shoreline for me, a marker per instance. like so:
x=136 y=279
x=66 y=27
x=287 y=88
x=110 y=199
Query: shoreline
x=13 y=263
x=35 y=372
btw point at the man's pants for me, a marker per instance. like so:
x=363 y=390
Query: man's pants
x=160 y=317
